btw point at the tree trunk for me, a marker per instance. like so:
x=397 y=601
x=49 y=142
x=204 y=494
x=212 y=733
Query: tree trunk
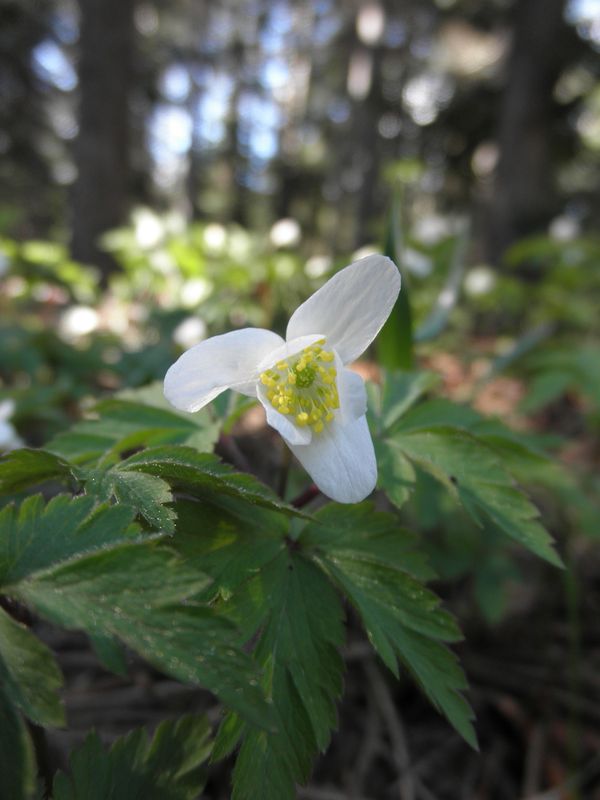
x=524 y=196
x=101 y=192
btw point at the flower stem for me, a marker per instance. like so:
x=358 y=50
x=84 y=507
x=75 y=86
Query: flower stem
x=306 y=496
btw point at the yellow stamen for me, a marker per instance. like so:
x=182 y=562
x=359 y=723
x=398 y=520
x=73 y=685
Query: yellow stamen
x=304 y=386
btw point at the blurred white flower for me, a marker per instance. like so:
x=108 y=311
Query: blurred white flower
x=431 y=228
x=363 y=252
x=195 y=291
x=479 y=280
x=285 y=233
x=564 y=228
x=215 y=236
x=9 y=438
x=148 y=228
x=189 y=332
x=78 y=321
x=317 y=266
x=370 y=23
x=416 y=262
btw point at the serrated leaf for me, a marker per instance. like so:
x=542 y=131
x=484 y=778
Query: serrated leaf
x=228 y=547
x=29 y=675
x=361 y=533
x=204 y=475
x=21 y=469
x=471 y=471
x=371 y=560
x=136 y=593
x=301 y=629
x=80 y=567
x=168 y=767
x=35 y=537
x=146 y=494
x=17 y=759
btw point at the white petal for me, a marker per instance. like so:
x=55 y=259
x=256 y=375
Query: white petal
x=293 y=434
x=350 y=309
x=353 y=395
x=216 y=364
x=341 y=461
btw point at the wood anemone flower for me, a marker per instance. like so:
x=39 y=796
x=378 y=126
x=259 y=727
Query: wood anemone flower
x=309 y=396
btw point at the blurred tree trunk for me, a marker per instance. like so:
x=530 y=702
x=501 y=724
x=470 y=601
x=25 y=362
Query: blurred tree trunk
x=101 y=192
x=525 y=197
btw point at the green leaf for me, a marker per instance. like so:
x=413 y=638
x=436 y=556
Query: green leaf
x=169 y=767
x=375 y=564
x=137 y=594
x=29 y=675
x=228 y=546
x=81 y=567
x=110 y=654
x=21 y=469
x=147 y=494
x=438 y=411
x=400 y=391
x=544 y=388
x=395 y=473
x=204 y=475
x=17 y=760
x=471 y=471
x=123 y=425
x=395 y=340
x=362 y=534
x=37 y=537
x=300 y=618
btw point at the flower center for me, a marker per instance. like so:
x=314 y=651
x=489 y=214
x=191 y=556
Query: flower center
x=304 y=386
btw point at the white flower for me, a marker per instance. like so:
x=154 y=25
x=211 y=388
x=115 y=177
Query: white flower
x=189 y=332
x=9 y=438
x=316 y=404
